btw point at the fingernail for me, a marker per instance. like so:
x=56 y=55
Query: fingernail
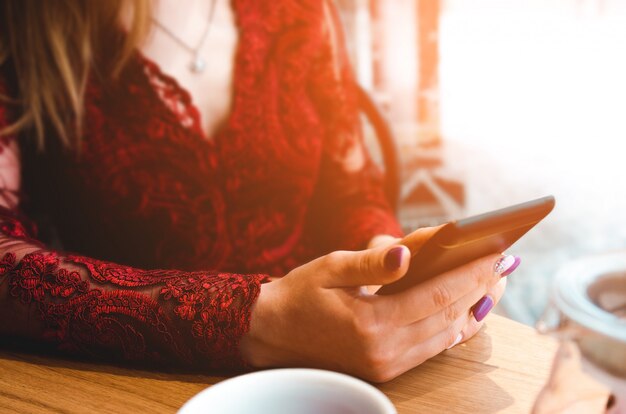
x=393 y=259
x=458 y=339
x=482 y=308
x=610 y=402
x=506 y=265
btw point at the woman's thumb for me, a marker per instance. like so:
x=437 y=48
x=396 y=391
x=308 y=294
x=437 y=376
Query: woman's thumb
x=378 y=266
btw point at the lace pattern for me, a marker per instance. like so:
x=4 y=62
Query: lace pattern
x=197 y=318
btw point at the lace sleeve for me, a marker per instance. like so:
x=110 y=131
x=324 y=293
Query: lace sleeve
x=350 y=189
x=103 y=310
x=88 y=307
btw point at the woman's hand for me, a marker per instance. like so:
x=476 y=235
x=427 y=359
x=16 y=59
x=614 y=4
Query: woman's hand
x=319 y=315
x=414 y=241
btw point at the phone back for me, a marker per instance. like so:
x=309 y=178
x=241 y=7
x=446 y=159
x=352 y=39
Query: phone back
x=460 y=242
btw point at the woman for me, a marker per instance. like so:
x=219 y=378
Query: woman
x=254 y=179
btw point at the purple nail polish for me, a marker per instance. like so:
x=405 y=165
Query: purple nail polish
x=611 y=401
x=482 y=308
x=393 y=259
x=506 y=265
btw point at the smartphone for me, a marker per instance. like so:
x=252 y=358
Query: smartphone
x=460 y=242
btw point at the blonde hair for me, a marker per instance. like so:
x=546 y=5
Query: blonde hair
x=51 y=46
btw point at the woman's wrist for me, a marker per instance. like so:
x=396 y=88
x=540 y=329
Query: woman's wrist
x=254 y=345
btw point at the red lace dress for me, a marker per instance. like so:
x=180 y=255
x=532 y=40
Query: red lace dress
x=147 y=191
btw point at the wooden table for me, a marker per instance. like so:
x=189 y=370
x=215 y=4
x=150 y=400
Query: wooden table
x=500 y=370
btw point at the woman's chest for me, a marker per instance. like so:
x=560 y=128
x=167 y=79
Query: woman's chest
x=196 y=45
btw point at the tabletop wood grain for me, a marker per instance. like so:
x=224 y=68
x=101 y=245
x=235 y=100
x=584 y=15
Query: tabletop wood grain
x=500 y=370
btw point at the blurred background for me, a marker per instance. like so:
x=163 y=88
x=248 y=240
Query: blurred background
x=494 y=102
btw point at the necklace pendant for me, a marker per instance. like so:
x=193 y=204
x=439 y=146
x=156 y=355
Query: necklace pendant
x=198 y=65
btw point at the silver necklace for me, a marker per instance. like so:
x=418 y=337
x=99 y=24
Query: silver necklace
x=198 y=64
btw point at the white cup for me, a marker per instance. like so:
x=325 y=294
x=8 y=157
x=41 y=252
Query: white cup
x=287 y=391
